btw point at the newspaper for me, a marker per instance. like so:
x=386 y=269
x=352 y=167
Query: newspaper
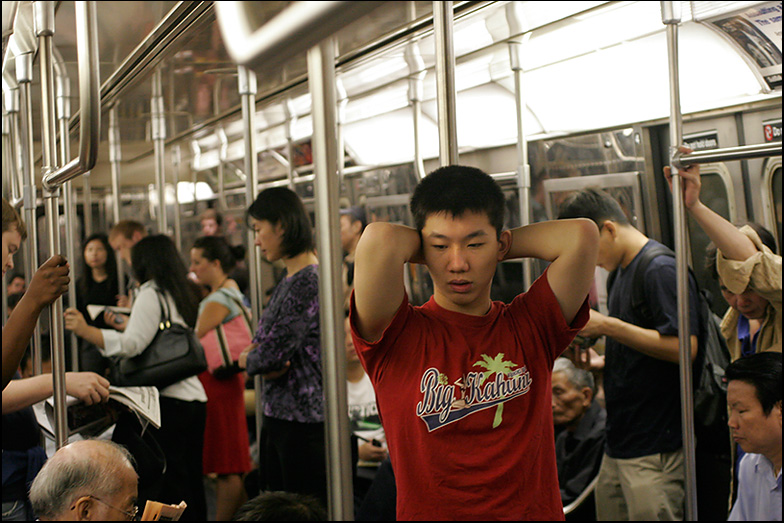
x=94 y=310
x=155 y=511
x=91 y=420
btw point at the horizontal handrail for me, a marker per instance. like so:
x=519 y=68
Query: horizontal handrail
x=293 y=31
x=89 y=99
x=743 y=152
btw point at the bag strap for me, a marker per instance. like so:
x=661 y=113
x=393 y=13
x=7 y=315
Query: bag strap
x=223 y=345
x=243 y=310
x=165 y=322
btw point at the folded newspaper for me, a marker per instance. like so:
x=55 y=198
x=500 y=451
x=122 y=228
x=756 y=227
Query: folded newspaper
x=155 y=511
x=91 y=420
x=94 y=310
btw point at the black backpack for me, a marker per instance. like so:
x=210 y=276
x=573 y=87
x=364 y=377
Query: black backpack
x=709 y=386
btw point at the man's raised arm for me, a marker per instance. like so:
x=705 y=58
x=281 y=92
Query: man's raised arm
x=383 y=250
x=572 y=246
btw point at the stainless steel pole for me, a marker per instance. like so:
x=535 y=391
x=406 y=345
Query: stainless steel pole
x=159 y=147
x=87 y=204
x=443 y=20
x=671 y=18
x=291 y=116
x=44 y=18
x=321 y=78
x=416 y=80
x=247 y=87
x=24 y=76
x=115 y=159
x=63 y=101
x=727 y=154
x=176 y=160
x=523 y=169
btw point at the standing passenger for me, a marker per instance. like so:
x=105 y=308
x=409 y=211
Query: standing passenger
x=123 y=236
x=642 y=472
x=287 y=349
x=49 y=282
x=463 y=383
x=352 y=224
x=749 y=274
x=158 y=266
x=226 y=446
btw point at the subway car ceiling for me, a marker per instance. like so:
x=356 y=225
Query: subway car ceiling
x=587 y=67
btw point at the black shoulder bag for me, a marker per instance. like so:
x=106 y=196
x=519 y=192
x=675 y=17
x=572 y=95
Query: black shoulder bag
x=173 y=355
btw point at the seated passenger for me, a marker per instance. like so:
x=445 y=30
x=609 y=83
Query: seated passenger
x=748 y=270
x=580 y=446
x=754 y=400
x=89 y=480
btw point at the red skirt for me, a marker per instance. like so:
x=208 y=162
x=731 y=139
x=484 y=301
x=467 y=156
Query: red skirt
x=226 y=445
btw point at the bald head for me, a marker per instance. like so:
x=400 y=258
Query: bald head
x=80 y=473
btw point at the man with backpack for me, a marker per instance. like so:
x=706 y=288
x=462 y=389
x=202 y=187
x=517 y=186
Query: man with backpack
x=642 y=472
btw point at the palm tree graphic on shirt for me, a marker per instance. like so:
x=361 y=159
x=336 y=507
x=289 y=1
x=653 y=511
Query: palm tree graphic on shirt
x=494 y=366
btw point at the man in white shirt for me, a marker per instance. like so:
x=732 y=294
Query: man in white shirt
x=754 y=399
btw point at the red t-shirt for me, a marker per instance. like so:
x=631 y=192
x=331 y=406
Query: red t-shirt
x=465 y=403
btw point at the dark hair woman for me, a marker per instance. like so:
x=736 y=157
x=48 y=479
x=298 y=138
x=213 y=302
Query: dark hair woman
x=287 y=349
x=162 y=275
x=226 y=443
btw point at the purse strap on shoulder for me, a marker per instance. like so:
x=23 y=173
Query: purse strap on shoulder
x=243 y=310
x=165 y=322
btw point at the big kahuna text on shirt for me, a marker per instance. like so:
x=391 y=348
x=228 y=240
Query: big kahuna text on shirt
x=444 y=403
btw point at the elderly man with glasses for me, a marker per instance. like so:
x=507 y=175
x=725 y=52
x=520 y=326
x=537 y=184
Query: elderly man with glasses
x=90 y=480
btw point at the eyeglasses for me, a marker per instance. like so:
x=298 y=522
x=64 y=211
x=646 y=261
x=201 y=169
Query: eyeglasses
x=130 y=514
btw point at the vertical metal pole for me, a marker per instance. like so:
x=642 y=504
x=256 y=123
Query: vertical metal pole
x=44 y=18
x=159 y=146
x=416 y=80
x=222 y=154
x=176 y=160
x=671 y=18
x=342 y=104
x=115 y=157
x=443 y=21
x=87 y=204
x=321 y=78
x=288 y=110
x=247 y=86
x=523 y=169
x=69 y=207
x=24 y=76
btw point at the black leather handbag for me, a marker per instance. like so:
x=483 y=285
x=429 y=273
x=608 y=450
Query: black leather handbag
x=174 y=354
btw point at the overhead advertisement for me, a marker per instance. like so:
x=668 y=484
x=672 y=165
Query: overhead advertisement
x=757 y=33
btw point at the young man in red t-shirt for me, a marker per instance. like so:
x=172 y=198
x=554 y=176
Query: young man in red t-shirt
x=463 y=383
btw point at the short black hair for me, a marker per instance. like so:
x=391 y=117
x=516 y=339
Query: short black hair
x=280 y=205
x=595 y=205
x=711 y=251
x=217 y=248
x=281 y=506
x=763 y=372
x=455 y=190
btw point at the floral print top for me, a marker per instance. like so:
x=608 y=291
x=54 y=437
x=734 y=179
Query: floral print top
x=289 y=331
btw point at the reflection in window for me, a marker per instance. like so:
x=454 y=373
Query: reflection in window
x=775 y=196
x=714 y=195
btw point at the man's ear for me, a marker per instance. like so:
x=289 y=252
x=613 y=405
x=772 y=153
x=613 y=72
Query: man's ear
x=611 y=227
x=504 y=244
x=83 y=509
x=587 y=396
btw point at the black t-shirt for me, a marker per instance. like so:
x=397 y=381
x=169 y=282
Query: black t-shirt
x=643 y=393
x=96 y=293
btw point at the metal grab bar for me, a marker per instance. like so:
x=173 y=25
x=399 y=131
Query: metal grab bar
x=293 y=31
x=743 y=152
x=89 y=99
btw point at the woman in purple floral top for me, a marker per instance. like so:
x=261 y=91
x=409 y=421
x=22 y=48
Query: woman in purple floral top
x=287 y=350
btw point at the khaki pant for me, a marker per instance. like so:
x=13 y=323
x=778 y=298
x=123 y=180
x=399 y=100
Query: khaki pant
x=650 y=488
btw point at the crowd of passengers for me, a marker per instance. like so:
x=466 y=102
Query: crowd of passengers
x=462 y=408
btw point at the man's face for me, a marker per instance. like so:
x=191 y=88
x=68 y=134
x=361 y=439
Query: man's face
x=209 y=227
x=462 y=254
x=348 y=231
x=17 y=285
x=749 y=303
x=12 y=240
x=751 y=428
x=122 y=245
x=569 y=402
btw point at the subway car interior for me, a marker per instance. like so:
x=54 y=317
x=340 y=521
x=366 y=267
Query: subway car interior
x=159 y=110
